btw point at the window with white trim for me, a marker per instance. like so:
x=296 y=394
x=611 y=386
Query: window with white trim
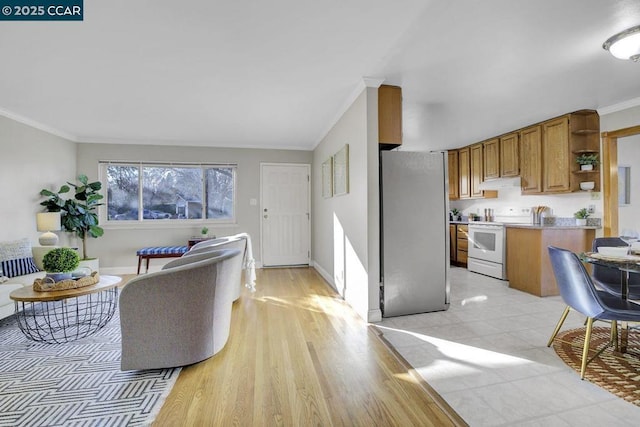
x=167 y=192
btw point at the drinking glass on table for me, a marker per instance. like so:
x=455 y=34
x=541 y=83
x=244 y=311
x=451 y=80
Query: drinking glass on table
x=629 y=237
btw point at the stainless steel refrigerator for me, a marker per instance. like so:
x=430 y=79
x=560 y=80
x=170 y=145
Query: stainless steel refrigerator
x=415 y=232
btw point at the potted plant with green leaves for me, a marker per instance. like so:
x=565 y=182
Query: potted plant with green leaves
x=581 y=216
x=80 y=213
x=60 y=262
x=587 y=161
x=455 y=215
x=205 y=232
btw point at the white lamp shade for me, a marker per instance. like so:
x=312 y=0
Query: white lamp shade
x=48 y=221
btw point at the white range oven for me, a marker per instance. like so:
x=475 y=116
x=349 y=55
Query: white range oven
x=487 y=249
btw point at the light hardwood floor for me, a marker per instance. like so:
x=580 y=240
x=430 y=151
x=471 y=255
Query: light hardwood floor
x=298 y=355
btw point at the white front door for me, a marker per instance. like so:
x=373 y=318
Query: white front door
x=285 y=214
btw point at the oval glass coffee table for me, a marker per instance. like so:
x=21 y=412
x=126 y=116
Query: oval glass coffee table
x=66 y=315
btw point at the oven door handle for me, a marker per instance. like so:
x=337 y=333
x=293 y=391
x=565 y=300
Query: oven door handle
x=485 y=227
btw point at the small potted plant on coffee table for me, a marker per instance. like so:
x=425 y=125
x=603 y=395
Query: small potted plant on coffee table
x=60 y=262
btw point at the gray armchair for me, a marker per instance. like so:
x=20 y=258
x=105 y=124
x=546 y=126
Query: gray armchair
x=178 y=316
x=232 y=242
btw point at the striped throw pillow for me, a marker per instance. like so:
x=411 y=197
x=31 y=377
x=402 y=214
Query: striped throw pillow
x=16 y=258
x=19 y=267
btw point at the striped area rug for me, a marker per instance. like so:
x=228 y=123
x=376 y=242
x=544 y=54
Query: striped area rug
x=618 y=373
x=77 y=383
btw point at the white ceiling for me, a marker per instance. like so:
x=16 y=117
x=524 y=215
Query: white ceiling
x=277 y=74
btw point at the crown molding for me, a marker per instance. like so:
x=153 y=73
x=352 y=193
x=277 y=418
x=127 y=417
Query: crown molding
x=37 y=125
x=373 y=82
x=366 y=82
x=619 y=106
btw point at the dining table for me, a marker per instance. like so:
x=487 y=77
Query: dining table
x=627 y=264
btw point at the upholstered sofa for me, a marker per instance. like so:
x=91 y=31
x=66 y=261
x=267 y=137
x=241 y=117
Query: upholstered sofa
x=20 y=265
x=177 y=316
x=232 y=242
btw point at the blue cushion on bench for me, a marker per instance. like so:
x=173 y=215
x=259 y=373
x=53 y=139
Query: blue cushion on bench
x=163 y=250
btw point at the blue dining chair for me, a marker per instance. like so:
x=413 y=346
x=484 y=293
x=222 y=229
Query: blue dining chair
x=580 y=294
x=610 y=279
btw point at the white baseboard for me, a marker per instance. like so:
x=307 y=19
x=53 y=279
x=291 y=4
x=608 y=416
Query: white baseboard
x=374 y=316
x=325 y=274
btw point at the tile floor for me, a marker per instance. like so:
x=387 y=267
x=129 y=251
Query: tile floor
x=487 y=357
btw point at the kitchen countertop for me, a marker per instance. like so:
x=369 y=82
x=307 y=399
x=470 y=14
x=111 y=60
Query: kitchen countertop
x=536 y=226
x=553 y=227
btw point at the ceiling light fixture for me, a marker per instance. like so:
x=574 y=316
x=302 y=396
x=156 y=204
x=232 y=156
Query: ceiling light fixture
x=625 y=44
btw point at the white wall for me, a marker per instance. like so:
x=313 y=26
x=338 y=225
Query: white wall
x=117 y=248
x=628 y=155
x=345 y=228
x=31 y=160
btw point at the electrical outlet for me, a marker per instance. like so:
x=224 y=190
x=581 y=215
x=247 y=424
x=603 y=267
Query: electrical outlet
x=595 y=195
x=591 y=209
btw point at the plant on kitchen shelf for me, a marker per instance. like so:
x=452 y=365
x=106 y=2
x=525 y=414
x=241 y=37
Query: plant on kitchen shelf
x=204 y=231
x=80 y=214
x=455 y=214
x=587 y=161
x=582 y=214
x=60 y=262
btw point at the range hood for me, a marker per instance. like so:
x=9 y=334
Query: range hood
x=498 y=183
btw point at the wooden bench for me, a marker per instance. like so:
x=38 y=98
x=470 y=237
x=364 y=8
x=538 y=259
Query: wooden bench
x=159 y=252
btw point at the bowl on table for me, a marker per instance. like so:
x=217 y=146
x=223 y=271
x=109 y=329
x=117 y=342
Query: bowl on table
x=613 y=250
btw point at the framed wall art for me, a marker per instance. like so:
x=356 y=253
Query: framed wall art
x=341 y=171
x=327 y=178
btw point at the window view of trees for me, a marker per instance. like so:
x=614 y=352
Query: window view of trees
x=170 y=192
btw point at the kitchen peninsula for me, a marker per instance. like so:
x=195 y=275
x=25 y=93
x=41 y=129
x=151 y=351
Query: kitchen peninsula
x=528 y=265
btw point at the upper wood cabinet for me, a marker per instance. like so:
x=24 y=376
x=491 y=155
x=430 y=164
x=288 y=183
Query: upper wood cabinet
x=530 y=148
x=464 y=175
x=556 y=156
x=454 y=189
x=548 y=153
x=491 y=159
x=584 y=138
x=509 y=161
x=543 y=155
x=476 y=174
x=389 y=116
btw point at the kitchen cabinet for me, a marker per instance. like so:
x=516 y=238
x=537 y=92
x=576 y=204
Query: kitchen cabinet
x=454 y=185
x=548 y=153
x=530 y=148
x=453 y=246
x=389 y=116
x=464 y=173
x=470 y=162
x=556 y=156
x=491 y=158
x=584 y=134
x=509 y=160
x=528 y=264
x=459 y=235
x=543 y=155
x=475 y=165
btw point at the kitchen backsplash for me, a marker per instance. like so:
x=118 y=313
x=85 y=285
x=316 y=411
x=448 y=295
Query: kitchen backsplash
x=511 y=206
